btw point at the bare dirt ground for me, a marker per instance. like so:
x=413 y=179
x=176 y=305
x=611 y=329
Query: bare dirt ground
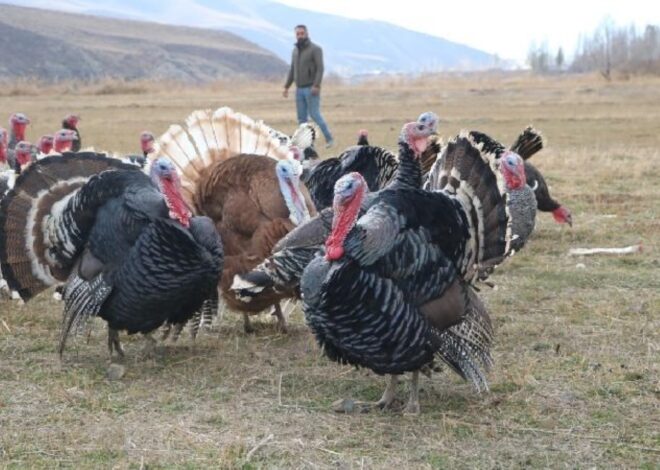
x=576 y=377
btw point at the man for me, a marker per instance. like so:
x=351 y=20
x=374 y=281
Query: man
x=307 y=71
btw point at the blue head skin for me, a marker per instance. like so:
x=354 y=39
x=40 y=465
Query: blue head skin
x=512 y=167
x=288 y=176
x=429 y=120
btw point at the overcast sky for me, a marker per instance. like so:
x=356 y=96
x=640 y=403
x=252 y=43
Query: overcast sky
x=503 y=27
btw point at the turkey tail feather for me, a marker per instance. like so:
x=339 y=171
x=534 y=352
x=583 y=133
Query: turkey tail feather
x=43 y=219
x=529 y=142
x=465 y=347
x=82 y=300
x=209 y=137
x=468 y=170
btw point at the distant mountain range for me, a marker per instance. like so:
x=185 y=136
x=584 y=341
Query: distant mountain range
x=54 y=46
x=350 y=46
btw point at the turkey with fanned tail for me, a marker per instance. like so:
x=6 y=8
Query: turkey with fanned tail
x=124 y=243
x=279 y=275
x=394 y=285
x=237 y=173
x=528 y=143
x=521 y=201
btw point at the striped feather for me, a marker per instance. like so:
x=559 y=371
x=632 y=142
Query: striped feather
x=36 y=243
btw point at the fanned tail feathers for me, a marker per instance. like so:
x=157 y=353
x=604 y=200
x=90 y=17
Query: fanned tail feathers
x=43 y=219
x=468 y=170
x=465 y=347
x=210 y=137
x=304 y=136
x=82 y=301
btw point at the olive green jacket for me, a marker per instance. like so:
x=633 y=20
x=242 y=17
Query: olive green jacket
x=306 y=66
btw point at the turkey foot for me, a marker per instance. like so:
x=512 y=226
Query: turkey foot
x=114 y=344
x=389 y=394
x=281 y=321
x=149 y=348
x=412 y=408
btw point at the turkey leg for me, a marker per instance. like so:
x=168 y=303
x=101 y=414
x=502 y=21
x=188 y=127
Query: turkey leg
x=113 y=343
x=281 y=321
x=413 y=400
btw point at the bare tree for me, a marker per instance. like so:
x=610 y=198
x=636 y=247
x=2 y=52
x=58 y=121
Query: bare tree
x=559 y=59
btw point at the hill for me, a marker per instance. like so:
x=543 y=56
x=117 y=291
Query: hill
x=351 y=46
x=55 y=46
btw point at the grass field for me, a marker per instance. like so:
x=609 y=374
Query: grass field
x=576 y=380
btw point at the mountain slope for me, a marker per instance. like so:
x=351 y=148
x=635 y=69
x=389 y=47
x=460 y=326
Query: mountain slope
x=350 y=46
x=54 y=45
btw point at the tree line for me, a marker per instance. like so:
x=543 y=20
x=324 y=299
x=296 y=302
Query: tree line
x=608 y=49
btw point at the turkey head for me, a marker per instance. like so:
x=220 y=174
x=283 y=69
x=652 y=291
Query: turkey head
x=18 y=123
x=165 y=177
x=23 y=155
x=288 y=176
x=513 y=170
x=349 y=193
x=64 y=139
x=45 y=144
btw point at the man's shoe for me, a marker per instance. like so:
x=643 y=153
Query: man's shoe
x=330 y=144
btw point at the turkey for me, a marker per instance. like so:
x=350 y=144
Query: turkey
x=147 y=144
x=45 y=145
x=4 y=148
x=64 y=141
x=521 y=200
x=279 y=275
x=236 y=173
x=22 y=157
x=363 y=137
x=393 y=282
x=526 y=145
x=375 y=164
x=124 y=243
x=529 y=142
x=70 y=122
x=18 y=123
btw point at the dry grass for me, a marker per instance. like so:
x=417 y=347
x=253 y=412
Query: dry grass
x=576 y=379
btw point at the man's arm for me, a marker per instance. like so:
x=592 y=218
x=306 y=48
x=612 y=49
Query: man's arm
x=318 y=59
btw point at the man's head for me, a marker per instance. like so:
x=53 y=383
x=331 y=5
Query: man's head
x=301 y=33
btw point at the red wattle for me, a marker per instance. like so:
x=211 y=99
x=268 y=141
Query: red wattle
x=175 y=203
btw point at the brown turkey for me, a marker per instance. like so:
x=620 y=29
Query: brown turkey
x=235 y=171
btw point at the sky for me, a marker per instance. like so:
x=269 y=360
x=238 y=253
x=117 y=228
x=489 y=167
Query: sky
x=503 y=27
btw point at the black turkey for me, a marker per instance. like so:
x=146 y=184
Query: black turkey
x=529 y=142
x=394 y=282
x=521 y=200
x=377 y=165
x=124 y=243
x=279 y=275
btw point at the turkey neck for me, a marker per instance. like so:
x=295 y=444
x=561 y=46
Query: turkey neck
x=64 y=146
x=18 y=133
x=343 y=221
x=175 y=203
x=3 y=153
x=409 y=171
